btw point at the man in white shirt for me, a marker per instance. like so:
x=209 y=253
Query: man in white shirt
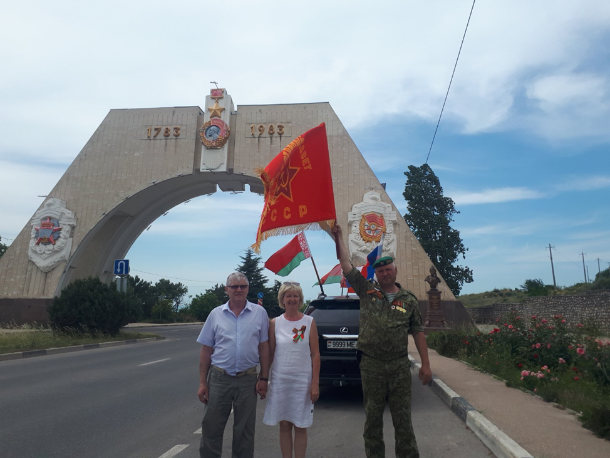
x=234 y=338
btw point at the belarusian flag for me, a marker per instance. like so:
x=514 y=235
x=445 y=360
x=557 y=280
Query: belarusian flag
x=334 y=276
x=287 y=259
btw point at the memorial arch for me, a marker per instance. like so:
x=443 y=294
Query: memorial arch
x=140 y=163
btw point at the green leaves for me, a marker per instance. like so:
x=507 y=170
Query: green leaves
x=88 y=305
x=3 y=247
x=429 y=217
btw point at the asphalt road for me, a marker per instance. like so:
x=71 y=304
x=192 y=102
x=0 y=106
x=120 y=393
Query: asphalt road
x=140 y=400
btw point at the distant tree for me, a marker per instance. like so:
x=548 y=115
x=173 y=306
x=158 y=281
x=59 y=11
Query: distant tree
x=271 y=303
x=163 y=312
x=535 y=287
x=145 y=291
x=173 y=291
x=203 y=304
x=602 y=280
x=219 y=291
x=252 y=268
x=429 y=215
x=3 y=247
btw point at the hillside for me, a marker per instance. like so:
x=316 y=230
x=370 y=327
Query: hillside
x=537 y=288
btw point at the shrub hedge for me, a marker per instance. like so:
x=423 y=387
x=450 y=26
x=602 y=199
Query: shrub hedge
x=90 y=306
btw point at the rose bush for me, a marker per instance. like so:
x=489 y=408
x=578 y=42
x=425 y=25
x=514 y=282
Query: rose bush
x=560 y=362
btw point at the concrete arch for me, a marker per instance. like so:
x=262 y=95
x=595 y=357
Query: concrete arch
x=114 y=235
x=125 y=177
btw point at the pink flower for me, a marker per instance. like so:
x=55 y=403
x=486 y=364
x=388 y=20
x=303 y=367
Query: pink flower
x=580 y=325
x=563 y=321
x=533 y=346
x=535 y=390
x=580 y=351
x=534 y=317
x=538 y=345
x=525 y=373
x=562 y=361
x=544 y=321
x=548 y=345
x=544 y=367
x=540 y=375
x=576 y=378
x=570 y=347
x=510 y=326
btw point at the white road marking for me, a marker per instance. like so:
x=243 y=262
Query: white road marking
x=174 y=451
x=154 y=362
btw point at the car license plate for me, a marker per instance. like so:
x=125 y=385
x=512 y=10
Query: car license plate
x=341 y=344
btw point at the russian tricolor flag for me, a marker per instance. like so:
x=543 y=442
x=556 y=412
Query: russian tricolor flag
x=370 y=260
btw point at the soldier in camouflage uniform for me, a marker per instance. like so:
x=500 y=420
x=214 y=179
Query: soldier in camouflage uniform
x=388 y=313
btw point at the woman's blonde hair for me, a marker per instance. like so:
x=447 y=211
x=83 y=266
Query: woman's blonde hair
x=289 y=287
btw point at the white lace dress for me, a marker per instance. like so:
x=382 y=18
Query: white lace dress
x=289 y=396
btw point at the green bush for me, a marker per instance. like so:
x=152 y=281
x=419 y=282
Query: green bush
x=88 y=305
x=560 y=362
x=162 y=312
x=203 y=304
x=602 y=280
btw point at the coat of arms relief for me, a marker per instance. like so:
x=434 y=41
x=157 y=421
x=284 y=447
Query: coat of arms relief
x=370 y=221
x=51 y=238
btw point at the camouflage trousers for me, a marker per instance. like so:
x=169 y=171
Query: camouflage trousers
x=391 y=381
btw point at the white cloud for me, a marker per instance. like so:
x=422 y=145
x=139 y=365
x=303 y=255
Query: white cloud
x=497 y=195
x=395 y=60
x=585 y=183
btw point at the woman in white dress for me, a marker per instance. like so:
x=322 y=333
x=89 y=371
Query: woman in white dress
x=295 y=372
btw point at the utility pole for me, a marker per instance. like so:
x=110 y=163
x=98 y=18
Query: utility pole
x=584 y=269
x=599 y=270
x=552 y=268
x=588 y=278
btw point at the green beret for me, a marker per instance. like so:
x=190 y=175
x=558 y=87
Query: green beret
x=383 y=261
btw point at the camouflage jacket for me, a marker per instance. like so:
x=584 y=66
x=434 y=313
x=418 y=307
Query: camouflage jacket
x=384 y=327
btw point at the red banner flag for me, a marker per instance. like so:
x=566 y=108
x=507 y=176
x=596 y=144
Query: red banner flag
x=298 y=188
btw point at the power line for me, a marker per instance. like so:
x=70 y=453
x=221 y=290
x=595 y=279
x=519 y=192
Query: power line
x=450 y=81
x=173 y=278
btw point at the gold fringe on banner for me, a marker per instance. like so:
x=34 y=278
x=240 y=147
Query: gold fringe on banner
x=291 y=230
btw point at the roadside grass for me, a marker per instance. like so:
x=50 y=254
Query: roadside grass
x=14 y=338
x=567 y=365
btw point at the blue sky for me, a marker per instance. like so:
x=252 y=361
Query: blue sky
x=523 y=147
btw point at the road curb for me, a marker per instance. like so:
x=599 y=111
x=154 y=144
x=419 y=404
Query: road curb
x=58 y=350
x=497 y=441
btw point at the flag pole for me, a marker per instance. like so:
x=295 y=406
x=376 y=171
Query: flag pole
x=317 y=275
x=337 y=245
